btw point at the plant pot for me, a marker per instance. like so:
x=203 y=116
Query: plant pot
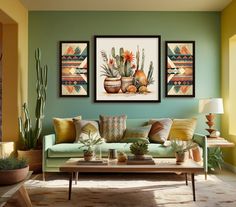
x=180 y=157
x=139 y=157
x=88 y=156
x=10 y=177
x=112 y=85
x=125 y=83
x=34 y=159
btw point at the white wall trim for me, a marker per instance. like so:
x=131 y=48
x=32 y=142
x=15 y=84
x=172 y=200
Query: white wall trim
x=230 y=167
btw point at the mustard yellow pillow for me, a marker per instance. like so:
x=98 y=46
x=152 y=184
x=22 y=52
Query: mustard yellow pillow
x=183 y=129
x=65 y=129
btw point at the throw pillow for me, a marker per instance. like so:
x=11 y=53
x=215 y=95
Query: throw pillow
x=112 y=127
x=160 y=130
x=183 y=129
x=136 y=134
x=65 y=129
x=84 y=127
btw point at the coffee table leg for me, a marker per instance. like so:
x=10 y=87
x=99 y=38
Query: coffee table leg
x=193 y=185
x=70 y=185
x=186 y=178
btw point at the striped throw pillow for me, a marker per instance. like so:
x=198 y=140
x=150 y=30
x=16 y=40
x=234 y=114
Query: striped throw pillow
x=136 y=134
x=112 y=127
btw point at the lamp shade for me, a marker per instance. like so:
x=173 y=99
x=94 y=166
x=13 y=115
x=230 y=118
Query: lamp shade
x=212 y=105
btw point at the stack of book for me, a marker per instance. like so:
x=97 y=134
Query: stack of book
x=146 y=160
x=93 y=162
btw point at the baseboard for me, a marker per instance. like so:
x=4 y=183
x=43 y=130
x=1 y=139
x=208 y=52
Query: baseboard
x=230 y=167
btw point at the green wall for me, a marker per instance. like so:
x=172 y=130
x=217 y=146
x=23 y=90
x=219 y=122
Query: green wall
x=46 y=29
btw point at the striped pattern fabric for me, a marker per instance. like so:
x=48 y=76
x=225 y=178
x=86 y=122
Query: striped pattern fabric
x=137 y=133
x=112 y=127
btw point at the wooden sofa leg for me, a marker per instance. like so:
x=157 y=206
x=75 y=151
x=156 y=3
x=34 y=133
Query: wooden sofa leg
x=44 y=176
x=205 y=175
x=76 y=177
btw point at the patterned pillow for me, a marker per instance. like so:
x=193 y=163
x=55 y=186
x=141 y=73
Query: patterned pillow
x=160 y=130
x=183 y=129
x=84 y=127
x=112 y=127
x=65 y=129
x=136 y=133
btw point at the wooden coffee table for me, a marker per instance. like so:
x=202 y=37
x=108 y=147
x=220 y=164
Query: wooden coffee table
x=166 y=165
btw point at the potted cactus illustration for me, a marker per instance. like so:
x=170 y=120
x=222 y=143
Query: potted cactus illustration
x=112 y=82
x=122 y=73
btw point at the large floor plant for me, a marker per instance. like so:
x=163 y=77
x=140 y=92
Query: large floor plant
x=29 y=134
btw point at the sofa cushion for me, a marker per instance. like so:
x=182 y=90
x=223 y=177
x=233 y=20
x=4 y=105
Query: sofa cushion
x=67 y=150
x=136 y=133
x=84 y=127
x=65 y=129
x=134 y=139
x=160 y=130
x=112 y=127
x=183 y=129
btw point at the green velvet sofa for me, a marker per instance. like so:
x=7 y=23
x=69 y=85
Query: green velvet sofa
x=55 y=155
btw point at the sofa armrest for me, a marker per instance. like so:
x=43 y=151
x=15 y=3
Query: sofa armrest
x=48 y=141
x=201 y=140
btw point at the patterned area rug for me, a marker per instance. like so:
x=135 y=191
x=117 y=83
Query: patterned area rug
x=126 y=190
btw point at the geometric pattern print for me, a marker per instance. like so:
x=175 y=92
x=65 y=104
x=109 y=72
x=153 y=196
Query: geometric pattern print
x=113 y=127
x=180 y=69
x=74 y=69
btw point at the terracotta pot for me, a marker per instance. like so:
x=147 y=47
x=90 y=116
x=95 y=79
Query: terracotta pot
x=180 y=157
x=34 y=159
x=10 y=177
x=125 y=83
x=112 y=85
x=88 y=156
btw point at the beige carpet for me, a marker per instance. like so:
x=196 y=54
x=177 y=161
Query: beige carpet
x=130 y=190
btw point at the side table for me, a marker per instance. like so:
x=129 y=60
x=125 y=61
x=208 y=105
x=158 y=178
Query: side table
x=218 y=142
x=6 y=193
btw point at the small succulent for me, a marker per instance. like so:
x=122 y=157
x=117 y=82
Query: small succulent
x=182 y=146
x=12 y=163
x=139 y=148
x=91 y=141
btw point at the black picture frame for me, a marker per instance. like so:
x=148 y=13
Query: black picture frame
x=180 y=80
x=74 y=68
x=148 y=43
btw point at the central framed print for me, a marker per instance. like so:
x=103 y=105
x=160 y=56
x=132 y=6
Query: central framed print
x=127 y=68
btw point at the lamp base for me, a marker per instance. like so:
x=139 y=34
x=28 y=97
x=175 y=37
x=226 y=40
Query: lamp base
x=210 y=122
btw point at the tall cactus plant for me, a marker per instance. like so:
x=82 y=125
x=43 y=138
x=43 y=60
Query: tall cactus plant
x=28 y=134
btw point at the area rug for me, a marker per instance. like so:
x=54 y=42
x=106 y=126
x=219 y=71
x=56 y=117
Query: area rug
x=130 y=190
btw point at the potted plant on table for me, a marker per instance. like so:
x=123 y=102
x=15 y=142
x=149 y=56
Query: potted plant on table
x=139 y=149
x=180 y=148
x=29 y=135
x=89 y=143
x=12 y=170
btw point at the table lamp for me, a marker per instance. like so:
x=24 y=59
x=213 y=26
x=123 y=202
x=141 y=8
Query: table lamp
x=210 y=107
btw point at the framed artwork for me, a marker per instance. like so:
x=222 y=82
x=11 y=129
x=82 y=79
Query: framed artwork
x=74 y=68
x=180 y=69
x=127 y=68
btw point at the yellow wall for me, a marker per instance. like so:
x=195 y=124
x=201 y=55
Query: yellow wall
x=228 y=30
x=14 y=18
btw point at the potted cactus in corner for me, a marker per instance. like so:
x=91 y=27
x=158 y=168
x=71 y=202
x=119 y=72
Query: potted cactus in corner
x=29 y=135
